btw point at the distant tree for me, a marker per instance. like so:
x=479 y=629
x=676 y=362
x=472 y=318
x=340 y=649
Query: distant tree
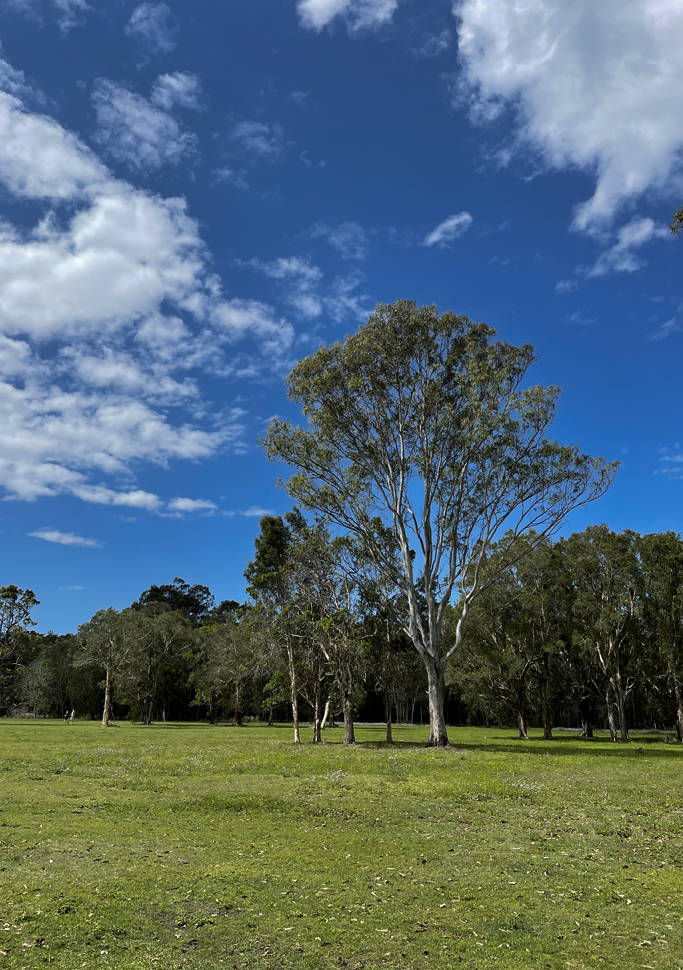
x=677 y=222
x=419 y=419
x=105 y=643
x=661 y=557
x=606 y=575
x=157 y=638
x=194 y=602
x=15 y=618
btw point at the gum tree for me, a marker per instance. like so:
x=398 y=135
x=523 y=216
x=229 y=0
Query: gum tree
x=420 y=420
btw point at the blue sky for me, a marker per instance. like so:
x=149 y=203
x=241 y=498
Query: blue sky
x=194 y=196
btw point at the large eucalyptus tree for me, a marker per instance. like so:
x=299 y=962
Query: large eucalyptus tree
x=418 y=423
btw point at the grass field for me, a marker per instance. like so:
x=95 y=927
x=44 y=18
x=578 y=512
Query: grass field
x=181 y=846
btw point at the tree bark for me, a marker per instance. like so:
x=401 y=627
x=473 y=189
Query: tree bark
x=609 y=700
x=107 y=700
x=438 y=735
x=317 y=735
x=547 y=720
x=586 y=728
x=679 y=707
x=521 y=723
x=620 y=695
x=326 y=714
x=294 y=694
x=387 y=708
x=349 y=736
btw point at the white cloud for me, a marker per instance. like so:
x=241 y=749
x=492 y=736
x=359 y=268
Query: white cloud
x=70 y=13
x=451 y=228
x=302 y=282
x=65 y=539
x=256 y=512
x=595 y=86
x=39 y=159
x=120 y=283
x=258 y=138
x=181 y=89
x=580 y=317
x=565 y=286
x=621 y=257
x=359 y=14
x=154 y=26
x=349 y=239
x=666 y=329
x=191 y=505
x=132 y=129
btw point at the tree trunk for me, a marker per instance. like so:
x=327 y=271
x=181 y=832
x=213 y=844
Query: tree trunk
x=620 y=695
x=387 y=708
x=349 y=736
x=547 y=720
x=294 y=694
x=679 y=707
x=610 y=713
x=317 y=736
x=270 y=716
x=326 y=714
x=586 y=728
x=107 y=701
x=521 y=723
x=438 y=736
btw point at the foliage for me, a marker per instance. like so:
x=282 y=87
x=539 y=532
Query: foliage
x=419 y=420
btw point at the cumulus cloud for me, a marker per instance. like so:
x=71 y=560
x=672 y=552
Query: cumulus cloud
x=622 y=257
x=108 y=303
x=358 y=14
x=348 y=238
x=139 y=131
x=65 y=539
x=191 y=505
x=594 y=86
x=256 y=512
x=154 y=27
x=451 y=228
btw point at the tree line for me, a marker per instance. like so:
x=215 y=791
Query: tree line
x=586 y=631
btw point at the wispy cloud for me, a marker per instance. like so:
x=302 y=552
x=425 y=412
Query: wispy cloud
x=358 y=14
x=450 y=229
x=348 y=238
x=154 y=27
x=191 y=505
x=65 y=538
x=622 y=256
x=566 y=286
x=664 y=331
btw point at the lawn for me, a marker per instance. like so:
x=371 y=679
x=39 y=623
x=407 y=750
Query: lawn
x=190 y=846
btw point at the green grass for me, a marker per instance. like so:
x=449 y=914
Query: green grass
x=188 y=846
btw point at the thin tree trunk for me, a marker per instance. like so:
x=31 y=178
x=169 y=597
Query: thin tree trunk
x=294 y=694
x=270 y=716
x=586 y=728
x=326 y=714
x=237 y=720
x=349 y=736
x=610 y=713
x=317 y=737
x=107 y=700
x=547 y=720
x=438 y=735
x=521 y=723
x=620 y=695
x=679 y=707
x=387 y=708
